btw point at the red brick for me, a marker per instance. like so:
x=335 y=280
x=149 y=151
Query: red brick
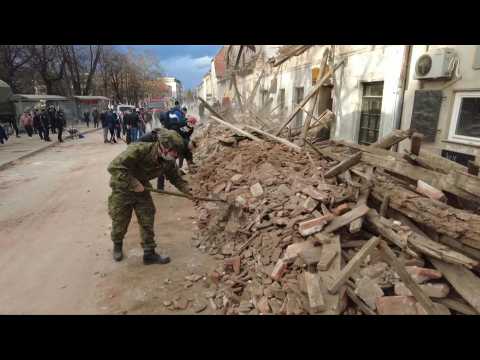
x=234 y=263
x=279 y=270
x=420 y=275
x=313 y=226
x=341 y=209
x=396 y=305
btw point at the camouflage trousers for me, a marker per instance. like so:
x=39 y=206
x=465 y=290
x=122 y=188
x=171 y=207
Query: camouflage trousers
x=120 y=207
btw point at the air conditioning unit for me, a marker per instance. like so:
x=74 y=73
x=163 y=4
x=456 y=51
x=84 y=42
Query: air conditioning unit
x=434 y=65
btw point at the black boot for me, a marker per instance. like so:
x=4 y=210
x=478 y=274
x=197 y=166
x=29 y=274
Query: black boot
x=151 y=257
x=117 y=252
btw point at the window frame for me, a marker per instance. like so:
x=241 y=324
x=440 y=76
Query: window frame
x=365 y=85
x=469 y=140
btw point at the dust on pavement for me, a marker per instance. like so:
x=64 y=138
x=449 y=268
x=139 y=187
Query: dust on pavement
x=55 y=249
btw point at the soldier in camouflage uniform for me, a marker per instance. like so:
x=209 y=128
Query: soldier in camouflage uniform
x=131 y=172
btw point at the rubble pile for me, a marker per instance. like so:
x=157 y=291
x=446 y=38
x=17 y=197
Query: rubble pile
x=327 y=232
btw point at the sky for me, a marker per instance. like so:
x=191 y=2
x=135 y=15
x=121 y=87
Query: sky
x=188 y=63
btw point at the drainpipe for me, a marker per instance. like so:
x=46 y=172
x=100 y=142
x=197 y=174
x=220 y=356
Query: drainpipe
x=401 y=88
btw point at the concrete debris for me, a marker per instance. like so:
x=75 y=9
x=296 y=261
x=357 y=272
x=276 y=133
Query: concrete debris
x=302 y=232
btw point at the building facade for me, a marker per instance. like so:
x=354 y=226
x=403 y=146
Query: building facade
x=175 y=86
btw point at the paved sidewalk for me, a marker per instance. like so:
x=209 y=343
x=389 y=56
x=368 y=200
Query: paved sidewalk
x=19 y=148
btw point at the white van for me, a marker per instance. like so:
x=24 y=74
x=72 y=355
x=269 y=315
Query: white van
x=124 y=107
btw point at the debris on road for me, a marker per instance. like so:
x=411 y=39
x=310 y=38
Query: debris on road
x=333 y=228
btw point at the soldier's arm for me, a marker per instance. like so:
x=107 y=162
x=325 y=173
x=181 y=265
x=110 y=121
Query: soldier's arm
x=123 y=165
x=172 y=175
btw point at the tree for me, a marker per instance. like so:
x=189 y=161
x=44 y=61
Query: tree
x=13 y=59
x=81 y=62
x=49 y=63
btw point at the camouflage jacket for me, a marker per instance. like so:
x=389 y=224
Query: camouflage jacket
x=141 y=161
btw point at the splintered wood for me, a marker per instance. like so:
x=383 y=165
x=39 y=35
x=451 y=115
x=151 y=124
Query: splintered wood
x=334 y=227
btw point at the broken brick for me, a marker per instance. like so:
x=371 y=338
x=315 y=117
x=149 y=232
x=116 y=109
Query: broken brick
x=311 y=256
x=234 y=263
x=315 y=296
x=328 y=254
x=368 y=291
x=313 y=226
x=310 y=204
x=279 y=270
x=256 y=190
x=374 y=270
x=295 y=249
x=420 y=275
x=396 y=305
x=341 y=209
x=438 y=290
x=263 y=306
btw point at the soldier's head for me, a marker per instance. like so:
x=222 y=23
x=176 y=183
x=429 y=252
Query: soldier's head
x=170 y=144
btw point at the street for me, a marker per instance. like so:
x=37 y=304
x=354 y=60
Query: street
x=55 y=248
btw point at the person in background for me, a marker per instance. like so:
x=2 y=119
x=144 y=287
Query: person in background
x=3 y=135
x=86 y=118
x=37 y=123
x=45 y=118
x=111 y=123
x=27 y=122
x=13 y=124
x=95 y=116
x=60 y=123
x=104 y=121
x=118 y=126
x=186 y=133
x=52 y=119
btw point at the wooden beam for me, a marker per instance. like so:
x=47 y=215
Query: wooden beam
x=254 y=91
x=209 y=108
x=416 y=143
x=361 y=305
x=458 y=306
x=353 y=264
x=406 y=278
x=463 y=281
x=391 y=139
x=236 y=129
x=344 y=165
x=237 y=93
x=309 y=96
x=346 y=218
x=473 y=168
x=273 y=137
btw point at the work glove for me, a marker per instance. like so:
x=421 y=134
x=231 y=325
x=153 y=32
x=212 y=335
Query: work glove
x=137 y=186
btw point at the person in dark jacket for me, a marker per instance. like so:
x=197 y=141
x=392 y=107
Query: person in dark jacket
x=13 y=123
x=60 y=123
x=95 y=116
x=103 y=120
x=37 y=123
x=111 y=123
x=45 y=118
x=3 y=135
x=86 y=117
x=52 y=119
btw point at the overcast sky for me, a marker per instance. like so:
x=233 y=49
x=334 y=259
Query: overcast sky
x=188 y=63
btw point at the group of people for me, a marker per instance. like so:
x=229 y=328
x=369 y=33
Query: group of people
x=94 y=116
x=40 y=122
x=153 y=156
x=130 y=124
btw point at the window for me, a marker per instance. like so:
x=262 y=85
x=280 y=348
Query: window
x=371 y=112
x=281 y=99
x=465 y=122
x=297 y=100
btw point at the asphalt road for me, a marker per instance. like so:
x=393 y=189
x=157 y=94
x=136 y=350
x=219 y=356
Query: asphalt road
x=55 y=248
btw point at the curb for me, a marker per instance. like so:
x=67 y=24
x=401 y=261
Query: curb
x=34 y=152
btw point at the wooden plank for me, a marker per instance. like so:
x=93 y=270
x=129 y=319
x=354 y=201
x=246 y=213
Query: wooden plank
x=458 y=306
x=353 y=264
x=254 y=91
x=473 y=168
x=237 y=93
x=417 y=292
x=363 y=308
x=329 y=251
x=315 y=296
x=463 y=281
x=416 y=143
x=384 y=206
x=273 y=137
x=332 y=300
x=346 y=218
x=236 y=129
x=344 y=165
x=356 y=225
x=455 y=183
x=391 y=139
x=458 y=246
x=309 y=96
